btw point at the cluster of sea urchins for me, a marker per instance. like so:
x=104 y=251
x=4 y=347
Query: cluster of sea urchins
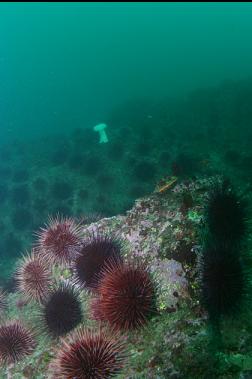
x=125 y=295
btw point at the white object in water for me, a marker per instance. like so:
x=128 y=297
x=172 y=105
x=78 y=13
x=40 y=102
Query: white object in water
x=100 y=128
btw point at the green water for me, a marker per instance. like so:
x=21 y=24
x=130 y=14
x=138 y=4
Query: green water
x=67 y=65
x=172 y=82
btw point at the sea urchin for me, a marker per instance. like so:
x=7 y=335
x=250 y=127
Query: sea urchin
x=226 y=213
x=33 y=277
x=60 y=240
x=15 y=342
x=127 y=296
x=97 y=251
x=224 y=281
x=89 y=355
x=61 y=311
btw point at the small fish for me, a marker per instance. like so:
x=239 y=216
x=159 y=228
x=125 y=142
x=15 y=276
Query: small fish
x=169 y=182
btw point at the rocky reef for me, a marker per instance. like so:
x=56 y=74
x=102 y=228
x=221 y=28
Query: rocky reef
x=163 y=231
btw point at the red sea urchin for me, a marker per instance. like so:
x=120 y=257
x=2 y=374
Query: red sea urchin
x=89 y=355
x=33 y=277
x=60 y=240
x=15 y=342
x=127 y=296
x=96 y=252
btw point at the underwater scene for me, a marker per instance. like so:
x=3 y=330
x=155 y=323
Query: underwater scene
x=125 y=190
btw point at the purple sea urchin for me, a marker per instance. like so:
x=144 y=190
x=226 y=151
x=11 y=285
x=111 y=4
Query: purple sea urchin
x=61 y=311
x=15 y=342
x=97 y=250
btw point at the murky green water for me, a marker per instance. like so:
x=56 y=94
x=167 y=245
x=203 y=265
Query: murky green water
x=170 y=80
x=100 y=105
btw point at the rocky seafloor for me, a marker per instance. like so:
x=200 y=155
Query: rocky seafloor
x=162 y=229
x=207 y=133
